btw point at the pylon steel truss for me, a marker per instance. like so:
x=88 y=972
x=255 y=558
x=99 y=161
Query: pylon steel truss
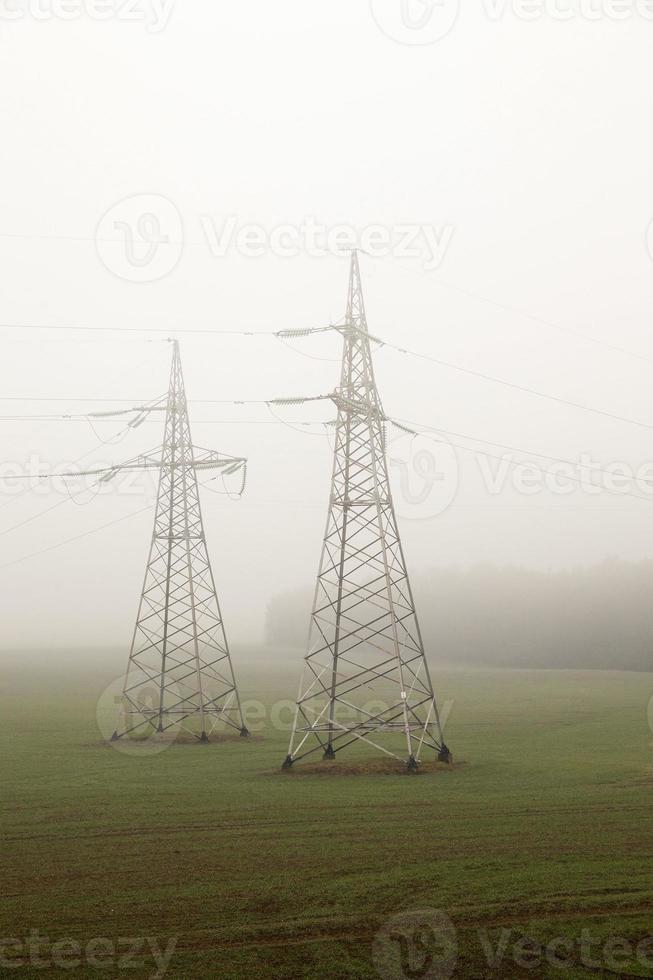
x=179 y=674
x=366 y=679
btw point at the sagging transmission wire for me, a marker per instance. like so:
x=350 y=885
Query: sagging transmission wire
x=141 y=412
x=381 y=343
x=428 y=433
x=417 y=429
x=77 y=537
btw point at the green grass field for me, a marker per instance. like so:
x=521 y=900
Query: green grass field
x=543 y=829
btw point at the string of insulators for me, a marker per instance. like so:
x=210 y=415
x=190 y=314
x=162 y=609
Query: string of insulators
x=307 y=332
x=235 y=466
x=297 y=401
x=404 y=428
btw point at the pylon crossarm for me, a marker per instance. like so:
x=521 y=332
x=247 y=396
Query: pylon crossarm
x=227 y=464
x=211 y=459
x=362 y=408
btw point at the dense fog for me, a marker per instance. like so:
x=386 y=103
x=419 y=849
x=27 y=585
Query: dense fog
x=596 y=617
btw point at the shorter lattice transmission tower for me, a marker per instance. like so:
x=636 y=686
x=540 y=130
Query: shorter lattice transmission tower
x=366 y=680
x=179 y=674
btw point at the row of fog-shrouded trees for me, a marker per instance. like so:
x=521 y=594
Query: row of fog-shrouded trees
x=598 y=617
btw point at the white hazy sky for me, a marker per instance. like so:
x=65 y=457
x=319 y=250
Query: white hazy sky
x=529 y=140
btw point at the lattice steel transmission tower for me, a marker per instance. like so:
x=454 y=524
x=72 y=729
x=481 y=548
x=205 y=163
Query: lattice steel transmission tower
x=366 y=679
x=179 y=673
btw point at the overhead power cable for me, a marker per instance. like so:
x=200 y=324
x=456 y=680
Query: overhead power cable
x=77 y=537
x=521 y=463
x=502 y=445
x=546 y=323
x=78 y=328
x=524 y=314
x=511 y=384
x=492 y=378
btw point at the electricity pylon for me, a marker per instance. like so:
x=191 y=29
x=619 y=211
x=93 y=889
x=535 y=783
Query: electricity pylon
x=365 y=677
x=179 y=673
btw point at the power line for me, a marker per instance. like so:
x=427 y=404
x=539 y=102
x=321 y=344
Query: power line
x=535 y=318
x=517 y=449
x=282 y=335
x=135 y=330
x=521 y=463
x=77 y=537
x=34 y=517
x=512 y=384
x=84 y=419
x=286 y=334
x=122 y=401
x=547 y=323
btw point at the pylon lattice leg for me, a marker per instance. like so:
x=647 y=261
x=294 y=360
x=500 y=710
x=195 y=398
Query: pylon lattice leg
x=366 y=679
x=179 y=674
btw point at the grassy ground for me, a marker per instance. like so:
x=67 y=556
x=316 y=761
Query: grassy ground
x=543 y=829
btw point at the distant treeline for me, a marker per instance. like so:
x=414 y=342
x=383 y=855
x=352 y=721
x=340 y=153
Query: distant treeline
x=599 y=617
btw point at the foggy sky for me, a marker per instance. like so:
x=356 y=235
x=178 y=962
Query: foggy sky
x=530 y=140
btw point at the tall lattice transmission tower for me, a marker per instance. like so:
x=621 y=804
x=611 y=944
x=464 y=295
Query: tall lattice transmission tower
x=366 y=678
x=179 y=674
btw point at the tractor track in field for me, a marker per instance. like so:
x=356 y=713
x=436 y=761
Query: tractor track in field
x=367 y=932
x=236 y=825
